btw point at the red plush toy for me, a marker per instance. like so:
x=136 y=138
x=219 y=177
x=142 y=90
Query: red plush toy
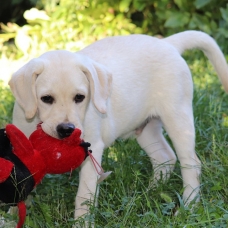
x=23 y=162
x=60 y=155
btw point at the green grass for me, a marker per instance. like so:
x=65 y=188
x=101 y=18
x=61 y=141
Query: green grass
x=6 y=105
x=126 y=197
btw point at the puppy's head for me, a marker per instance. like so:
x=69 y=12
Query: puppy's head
x=58 y=86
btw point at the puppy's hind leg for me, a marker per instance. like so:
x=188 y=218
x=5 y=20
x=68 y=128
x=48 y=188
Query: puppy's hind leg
x=154 y=144
x=180 y=128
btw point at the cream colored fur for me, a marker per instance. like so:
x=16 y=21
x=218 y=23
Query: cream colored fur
x=133 y=85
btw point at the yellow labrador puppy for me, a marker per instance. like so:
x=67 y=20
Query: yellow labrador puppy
x=118 y=87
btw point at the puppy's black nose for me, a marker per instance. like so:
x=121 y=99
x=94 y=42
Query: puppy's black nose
x=65 y=130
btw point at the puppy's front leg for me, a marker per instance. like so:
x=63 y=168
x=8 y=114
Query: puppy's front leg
x=88 y=189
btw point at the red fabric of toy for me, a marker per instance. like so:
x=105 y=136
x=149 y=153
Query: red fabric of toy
x=5 y=169
x=60 y=155
x=24 y=150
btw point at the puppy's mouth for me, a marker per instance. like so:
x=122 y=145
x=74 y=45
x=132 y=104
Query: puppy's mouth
x=61 y=131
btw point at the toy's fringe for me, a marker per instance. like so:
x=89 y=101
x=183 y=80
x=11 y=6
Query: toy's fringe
x=21 y=213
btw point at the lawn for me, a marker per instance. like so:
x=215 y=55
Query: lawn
x=127 y=198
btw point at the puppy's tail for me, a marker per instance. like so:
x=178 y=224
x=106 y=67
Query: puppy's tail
x=195 y=39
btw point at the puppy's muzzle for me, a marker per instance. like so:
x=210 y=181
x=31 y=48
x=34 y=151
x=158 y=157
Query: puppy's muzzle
x=65 y=130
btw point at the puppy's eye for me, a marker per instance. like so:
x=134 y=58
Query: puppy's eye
x=79 y=98
x=47 y=99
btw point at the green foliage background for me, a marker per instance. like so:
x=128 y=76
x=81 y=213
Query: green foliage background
x=71 y=25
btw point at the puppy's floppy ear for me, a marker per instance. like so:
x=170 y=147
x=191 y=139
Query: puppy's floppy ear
x=22 y=85
x=100 y=80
